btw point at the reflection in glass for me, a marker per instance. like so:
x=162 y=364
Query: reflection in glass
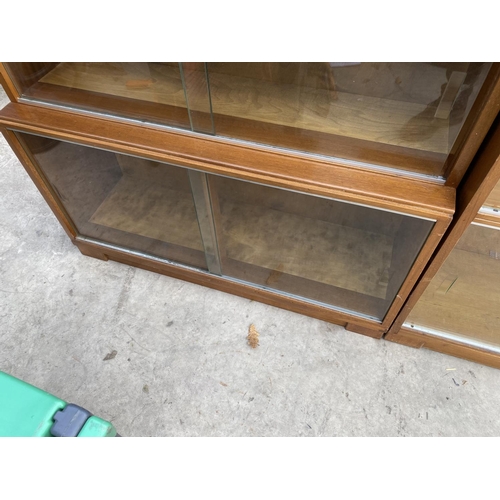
x=402 y=115
x=464 y=297
x=131 y=202
x=144 y=91
x=343 y=255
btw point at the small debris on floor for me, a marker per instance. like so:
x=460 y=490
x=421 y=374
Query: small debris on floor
x=110 y=355
x=145 y=389
x=222 y=383
x=450 y=369
x=455 y=382
x=253 y=336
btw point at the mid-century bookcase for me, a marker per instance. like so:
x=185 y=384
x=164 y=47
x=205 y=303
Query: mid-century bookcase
x=336 y=190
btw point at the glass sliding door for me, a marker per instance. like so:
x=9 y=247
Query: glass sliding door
x=131 y=202
x=197 y=90
x=343 y=255
x=401 y=115
x=151 y=92
x=340 y=255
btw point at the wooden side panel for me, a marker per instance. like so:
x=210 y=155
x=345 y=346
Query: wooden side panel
x=493 y=199
x=40 y=182
x=8 y=85
x=479 y=121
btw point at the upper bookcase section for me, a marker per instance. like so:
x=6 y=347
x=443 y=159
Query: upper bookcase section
x=406 y=116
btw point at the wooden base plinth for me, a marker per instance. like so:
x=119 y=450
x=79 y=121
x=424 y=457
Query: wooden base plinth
x=359 y=325
x=369 y=332
x=418 y=340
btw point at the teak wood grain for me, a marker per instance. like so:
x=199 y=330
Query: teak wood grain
x=301 y=104
x=294 y=171
x=264 y=97
x=119 y=106
x=22 y=75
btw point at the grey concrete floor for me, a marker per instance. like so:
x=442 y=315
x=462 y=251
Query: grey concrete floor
x=183 y=367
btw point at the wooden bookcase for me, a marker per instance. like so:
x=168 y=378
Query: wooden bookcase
x=327 y=188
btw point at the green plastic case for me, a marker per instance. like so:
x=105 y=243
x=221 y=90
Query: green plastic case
x=26 y=411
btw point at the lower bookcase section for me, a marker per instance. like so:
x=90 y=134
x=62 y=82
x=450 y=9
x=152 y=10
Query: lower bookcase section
x=342 y=257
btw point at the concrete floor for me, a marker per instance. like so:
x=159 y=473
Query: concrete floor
x=183 y=367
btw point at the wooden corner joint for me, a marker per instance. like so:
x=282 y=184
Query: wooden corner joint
x=369 y=332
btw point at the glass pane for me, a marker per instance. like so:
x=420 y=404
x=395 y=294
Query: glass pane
x=401 y=115
x=144 y=91
x=464 y=296
x=131 y=202
x=343 y=255
x=493 y=200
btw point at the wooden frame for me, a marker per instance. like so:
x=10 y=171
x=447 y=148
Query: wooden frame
x=50 y=197
x=255 y=164
x=479 y=121
x=8 y=84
